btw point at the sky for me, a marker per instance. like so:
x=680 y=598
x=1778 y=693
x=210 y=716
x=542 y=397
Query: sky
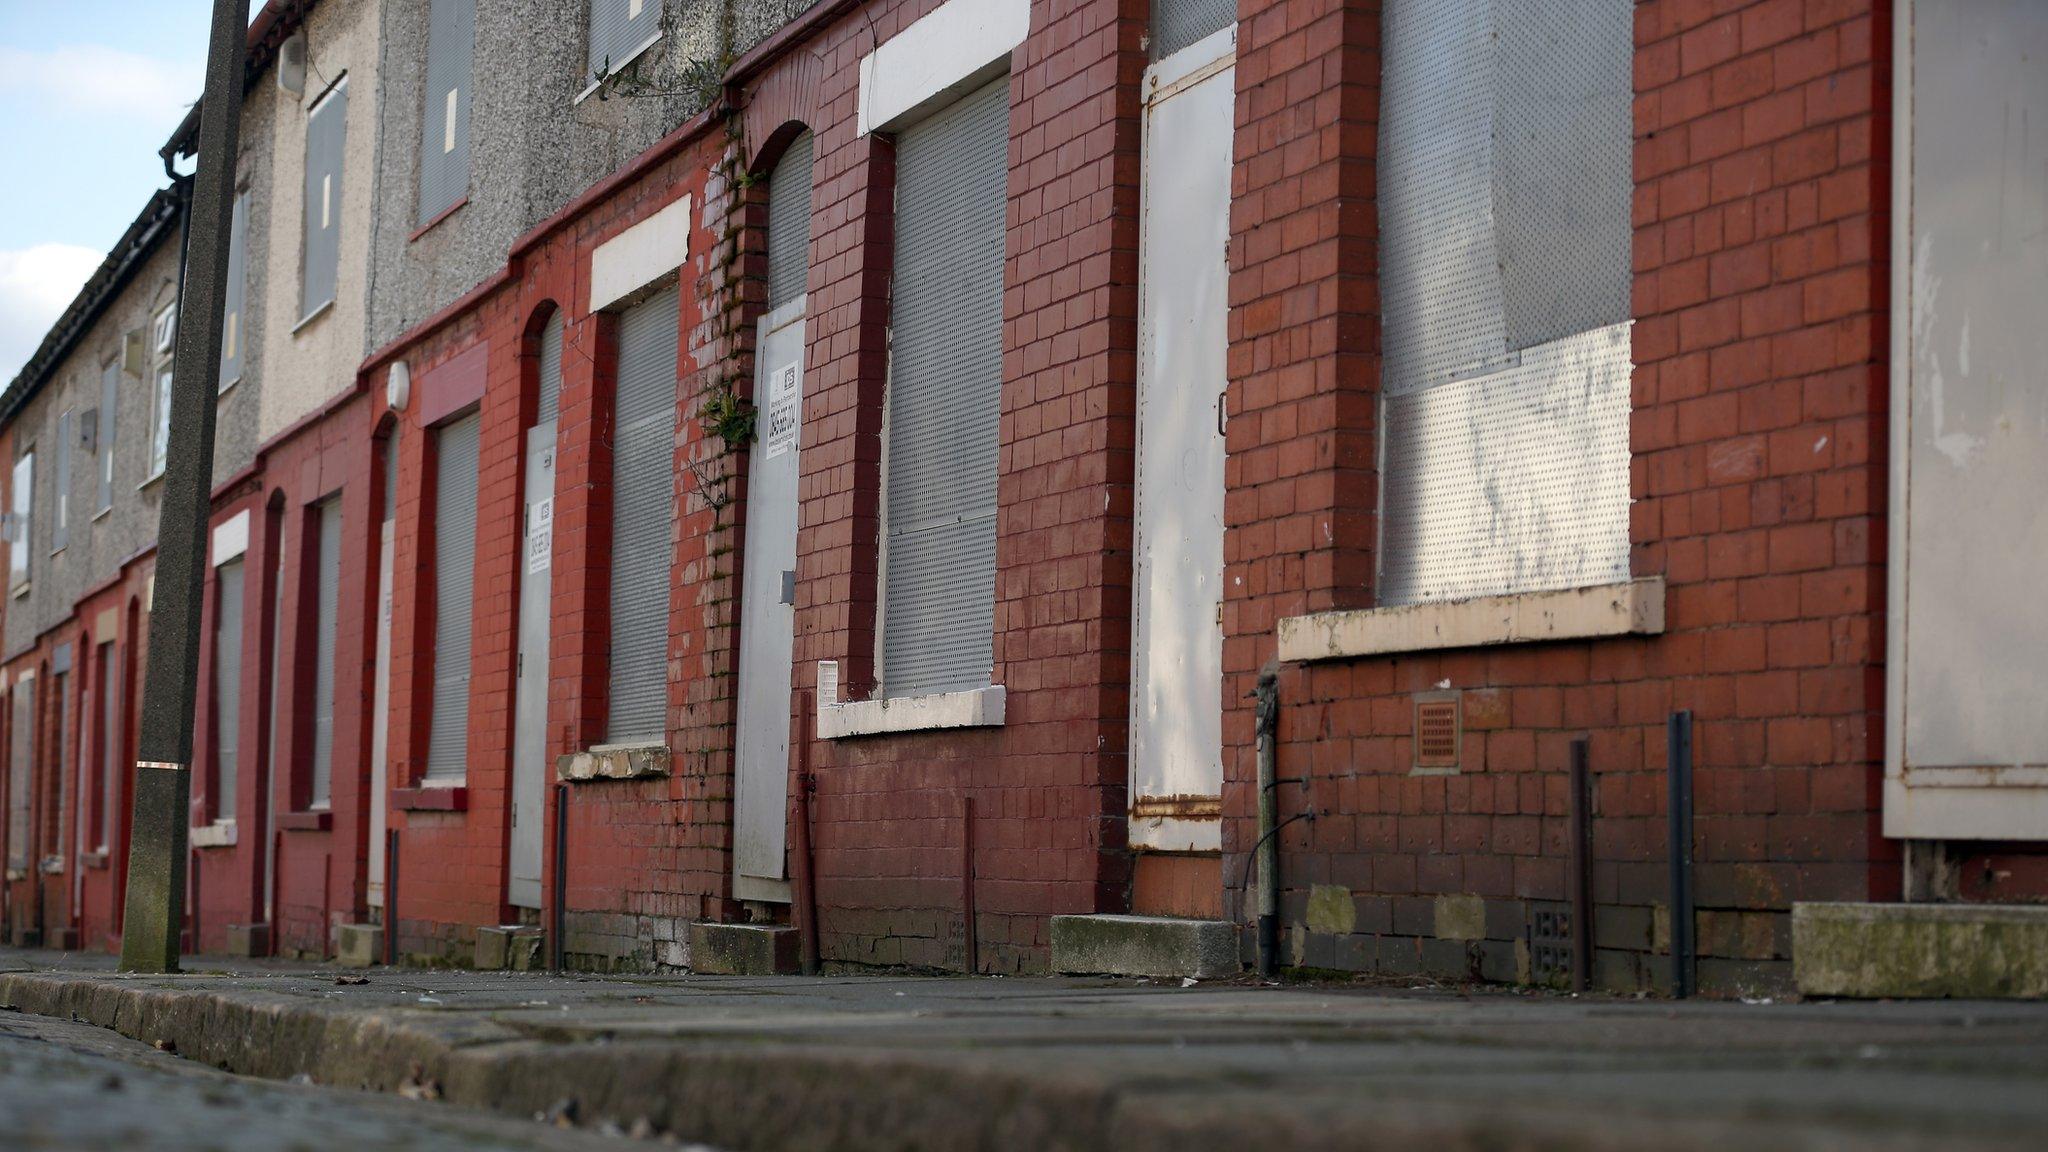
x=88 y=93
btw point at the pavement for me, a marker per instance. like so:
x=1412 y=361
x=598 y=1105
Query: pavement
x=888 y=1063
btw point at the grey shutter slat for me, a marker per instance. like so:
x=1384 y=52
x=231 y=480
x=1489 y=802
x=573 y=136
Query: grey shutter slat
x=64 y=681
x=233 y=324
x=1179 y=23
x=789 y=223
x=1504 y=190
x=327 y=608
x=455 y=492
x=106 y=684
x=945 y=397
x=444 y=139
x=550 y=399
x=110 y=401
x=326 y=141
x=227 y=687
x=391 y=474
x=273 y=765
x=21 y=753
x=615 y=34
x=60 y=532
x=642 y=482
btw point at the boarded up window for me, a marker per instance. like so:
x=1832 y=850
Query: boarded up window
x=110 y=401
x=60 y=526
x=20 y=771
x=619 y=29
x=1177 y=24
x=326 y=139
x=549 y=401
x=444 y=136
x=326 y=619
x=20 y=517
x=789 y=223
x=643 y=473
x=238 y=276
x=163 y=342
x=945 y=398
x=1504 y=190
x=107 y=694
x=227 y=686
x=455 y=461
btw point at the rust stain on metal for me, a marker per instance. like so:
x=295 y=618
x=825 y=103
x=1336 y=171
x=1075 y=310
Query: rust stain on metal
x=1183 y=807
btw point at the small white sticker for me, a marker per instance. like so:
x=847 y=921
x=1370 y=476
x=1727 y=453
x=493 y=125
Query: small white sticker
x=783 y=404
x=540 y=537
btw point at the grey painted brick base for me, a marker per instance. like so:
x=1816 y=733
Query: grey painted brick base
x=742 y=949
x=1921 y=950
x=248 y=940
x=1144 y=946
x=358 y=945
x=507 y=946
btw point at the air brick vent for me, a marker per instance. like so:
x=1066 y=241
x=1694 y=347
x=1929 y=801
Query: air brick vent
x=1437 y=731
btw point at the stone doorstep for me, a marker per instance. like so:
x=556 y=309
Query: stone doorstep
x=508 y=946
x=743 y=949
x=358 y=945
x=1112 y=945
x=1975 y=951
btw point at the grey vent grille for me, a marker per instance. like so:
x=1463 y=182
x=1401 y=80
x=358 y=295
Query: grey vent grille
x=1179 y=23
x=549 y=402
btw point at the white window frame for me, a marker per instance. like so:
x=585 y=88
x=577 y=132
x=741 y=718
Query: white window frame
x=163 y=348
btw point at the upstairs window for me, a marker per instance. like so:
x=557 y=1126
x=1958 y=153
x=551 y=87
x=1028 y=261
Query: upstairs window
x=1504 y=195
x=163 y=341
x=945 y=398
x=110 y=399
x=444 y=136
x=326 y=140
x=21 y=510
x=619 y=31
x=60 y=521
x=238 y=275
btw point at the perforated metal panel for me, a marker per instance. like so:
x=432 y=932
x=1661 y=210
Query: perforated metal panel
x=233 y=323
x=326 y=143
x=227 y=687
x=455 y=492
x=643 y=483
x=1504 y=183
x=549 y=405
x=1512 y=481
x=20 y=769
x=389 y=454
x=110 y=401
x=1561 y=186
x=619 y=28
x=444 y=129
x=945 y=397
x=326 y=608
x=1179 y=23
x=60 y=529
x=789 y=223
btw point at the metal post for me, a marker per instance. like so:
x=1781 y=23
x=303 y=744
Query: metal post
x=163 y=785
x=391 y=897
x=561 y=941
x=806 y=865
x=1266 y=729
x=1580 y=864
x=1678 y=763
x=970 y=946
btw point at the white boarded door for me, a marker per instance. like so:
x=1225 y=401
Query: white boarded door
x=536 y=593
x=1177 y=673
x=1967 y=736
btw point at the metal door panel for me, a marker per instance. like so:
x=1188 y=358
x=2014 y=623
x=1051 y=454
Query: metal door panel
x=767 y=614
x=380 y=715
x=530 y=706
x=1177 y=675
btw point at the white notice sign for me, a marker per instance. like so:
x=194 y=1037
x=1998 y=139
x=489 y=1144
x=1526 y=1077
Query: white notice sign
x=783 y=402
x=540 y=537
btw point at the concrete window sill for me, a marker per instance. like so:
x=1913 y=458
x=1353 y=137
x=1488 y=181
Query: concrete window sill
x=1635 y=608
x=614 y=762
x=443 y=214
x=219 y=834
x=615 y=67
x=316 y=820
x=839 y=720
x=431 y=798
x=94 y=860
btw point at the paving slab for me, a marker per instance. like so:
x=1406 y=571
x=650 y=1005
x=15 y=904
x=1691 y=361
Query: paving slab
x=897 y=1062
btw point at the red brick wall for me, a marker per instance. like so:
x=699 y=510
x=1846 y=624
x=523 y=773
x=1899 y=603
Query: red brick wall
x=1758 y=440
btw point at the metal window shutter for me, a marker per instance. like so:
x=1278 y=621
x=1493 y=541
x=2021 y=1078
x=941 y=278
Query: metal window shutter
x=391 y=474
x=327 y=605
x=106 y=686
x=326 y=139
x=227 y=686
x=110 y=401
x=615 y=32
x=455 y=494
x=945 y=397
x=21 y=753
x=24 y=494
x=234 y=328
x=1504 y=184
x=64 y=717
x=549 y=403
x=451 y=45
x=789 y=223
x=1179 y=23
x=643 y=478
x=60 y=530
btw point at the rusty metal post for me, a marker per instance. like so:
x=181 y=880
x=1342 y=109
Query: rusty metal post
x=1678 y=771
x=806 y=867
x=561 y=917
x=1580 y=866
x=1268 y=851
x=967 y=883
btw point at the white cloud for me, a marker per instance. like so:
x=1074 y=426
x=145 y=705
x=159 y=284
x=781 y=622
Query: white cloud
x=36 y=285
x=94 y=80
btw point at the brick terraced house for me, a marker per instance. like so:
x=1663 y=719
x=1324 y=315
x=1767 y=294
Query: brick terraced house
x=1084 y=485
